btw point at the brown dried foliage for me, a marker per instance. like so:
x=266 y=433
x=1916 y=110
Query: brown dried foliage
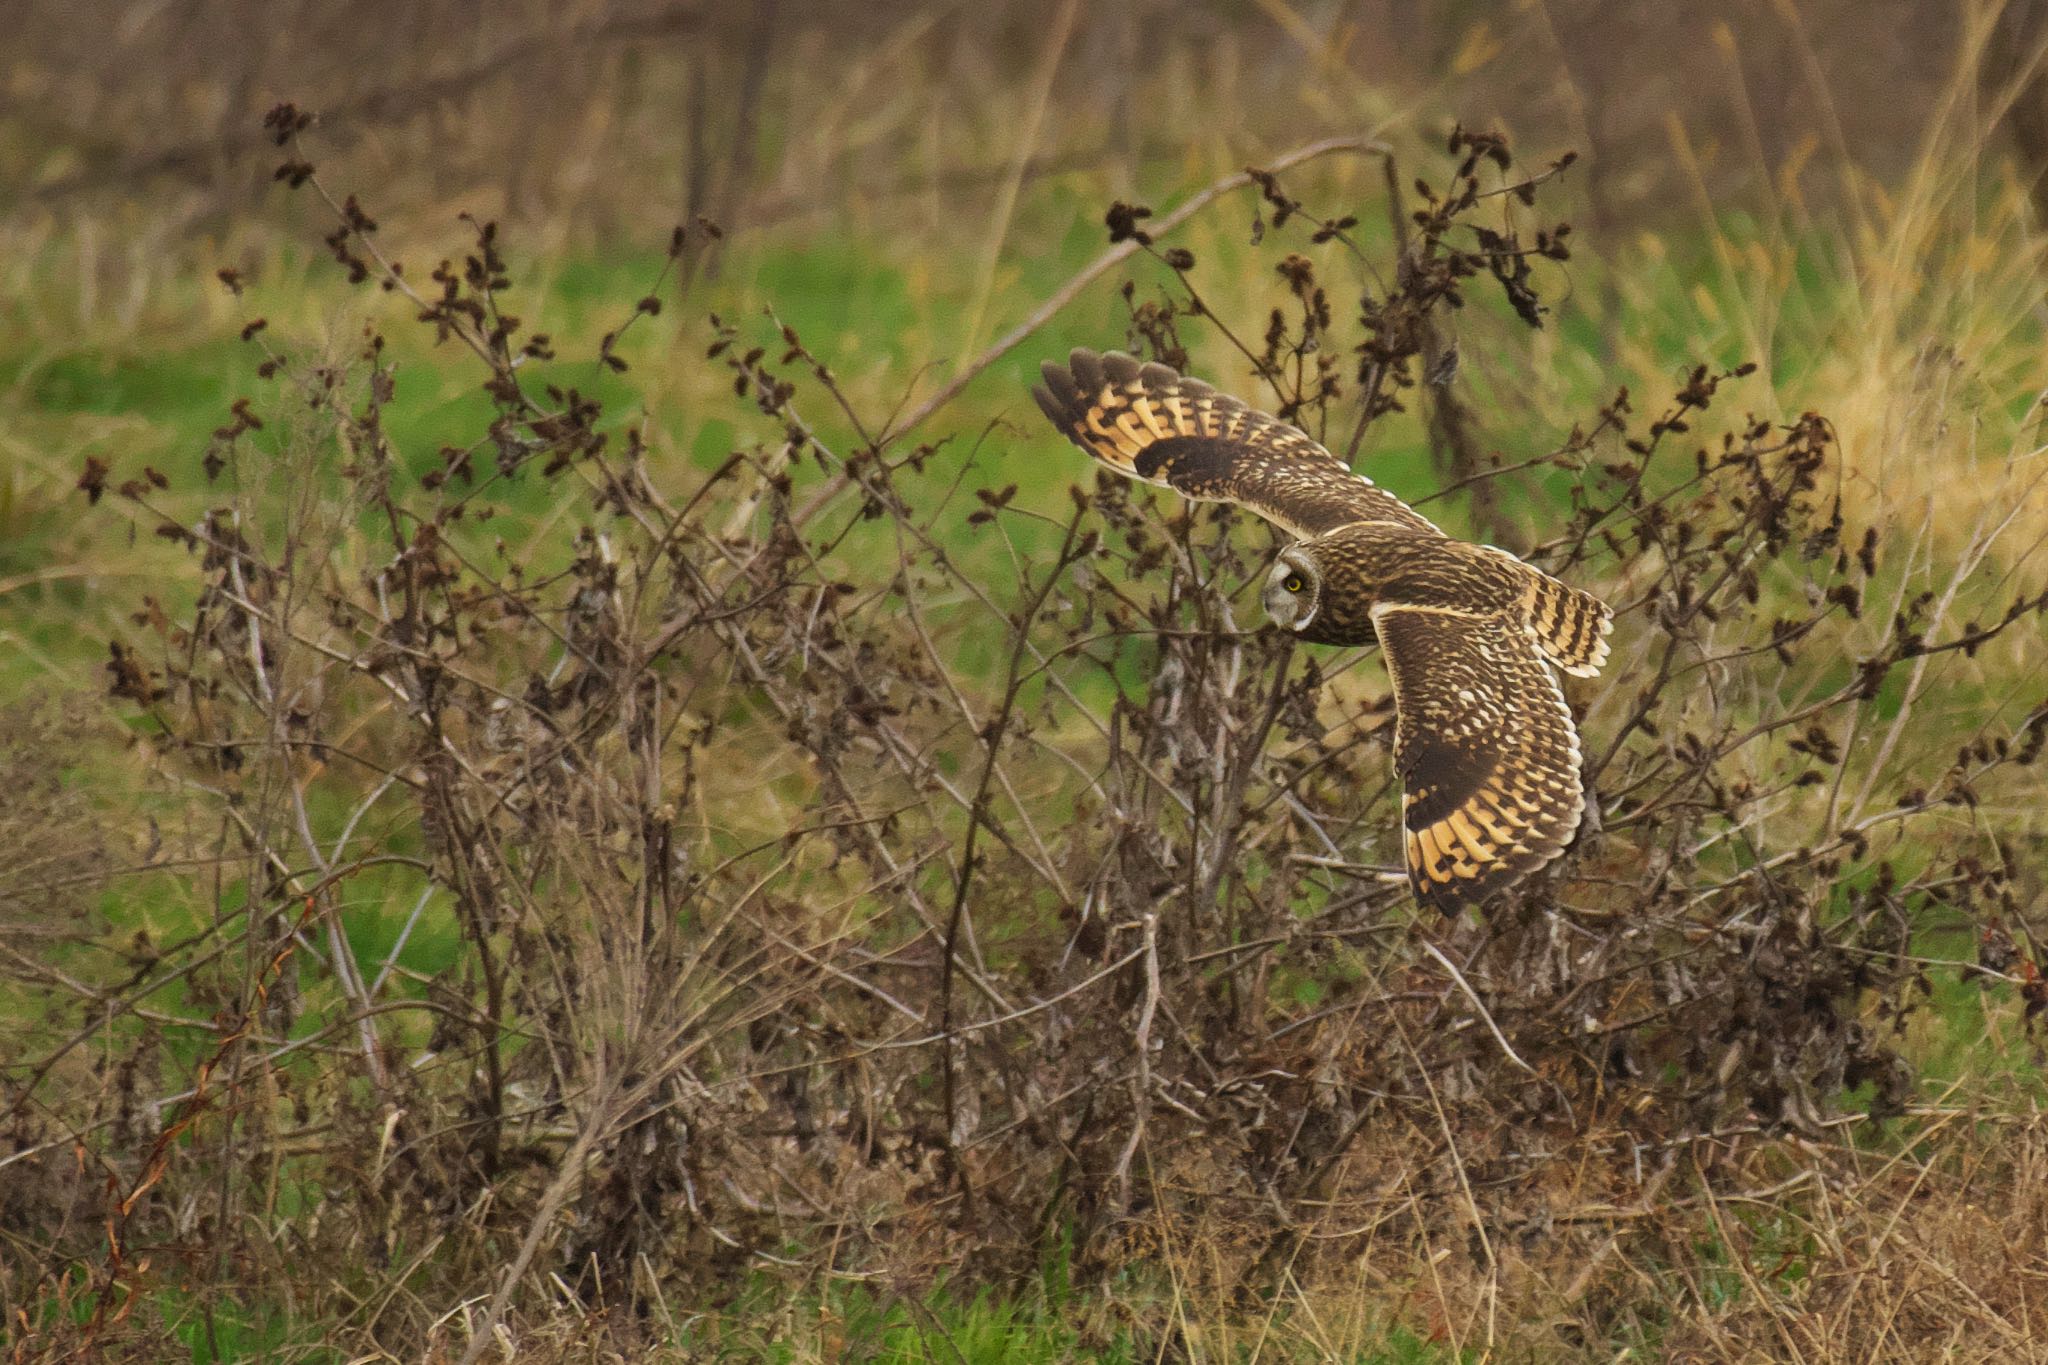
x=834 y=878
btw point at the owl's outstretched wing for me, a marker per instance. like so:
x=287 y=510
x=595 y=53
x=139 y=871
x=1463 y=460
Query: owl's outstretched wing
x=1485 y=748
x=1148 y=422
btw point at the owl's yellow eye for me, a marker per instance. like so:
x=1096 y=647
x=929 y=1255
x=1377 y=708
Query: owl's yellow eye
x=1293 y=583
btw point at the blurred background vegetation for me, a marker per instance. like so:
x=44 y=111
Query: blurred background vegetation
x=1844 y=193
x=1849 y=193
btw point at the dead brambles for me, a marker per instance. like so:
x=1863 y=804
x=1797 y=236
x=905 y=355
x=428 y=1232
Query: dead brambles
x=794 y=866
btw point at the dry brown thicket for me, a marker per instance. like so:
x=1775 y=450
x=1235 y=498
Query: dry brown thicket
x=819 y=866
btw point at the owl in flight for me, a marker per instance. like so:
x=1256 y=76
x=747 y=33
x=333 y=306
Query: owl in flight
x=1484 y=743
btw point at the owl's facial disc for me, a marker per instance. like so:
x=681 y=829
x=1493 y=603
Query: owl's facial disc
x=1292 y=592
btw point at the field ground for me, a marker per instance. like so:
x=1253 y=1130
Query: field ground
x=474 y=1079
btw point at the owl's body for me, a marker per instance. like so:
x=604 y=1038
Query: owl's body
x=1484 y=742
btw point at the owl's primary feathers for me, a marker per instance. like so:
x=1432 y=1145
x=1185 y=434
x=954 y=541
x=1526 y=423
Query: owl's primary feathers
x=1484 y=743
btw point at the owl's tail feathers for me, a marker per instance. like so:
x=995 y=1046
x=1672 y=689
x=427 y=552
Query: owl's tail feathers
x=1115 y=406
x=1571 y=627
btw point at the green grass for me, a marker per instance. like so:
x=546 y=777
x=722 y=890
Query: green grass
x=220 y=1331
x=1045 y=1325
x=885 y=315
x=1046 y=1321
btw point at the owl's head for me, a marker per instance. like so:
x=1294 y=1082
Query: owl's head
x=1294 y=590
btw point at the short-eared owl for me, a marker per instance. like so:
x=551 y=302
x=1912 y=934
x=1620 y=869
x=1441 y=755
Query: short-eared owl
x=1484 y=743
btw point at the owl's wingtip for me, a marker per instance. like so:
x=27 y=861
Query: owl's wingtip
x=1077 y=399
x=1055 y=411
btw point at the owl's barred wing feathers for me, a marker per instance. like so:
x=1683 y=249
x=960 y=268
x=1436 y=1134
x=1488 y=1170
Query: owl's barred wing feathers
x=1485 y=748
x=1571 y=627
x=1148 y=422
